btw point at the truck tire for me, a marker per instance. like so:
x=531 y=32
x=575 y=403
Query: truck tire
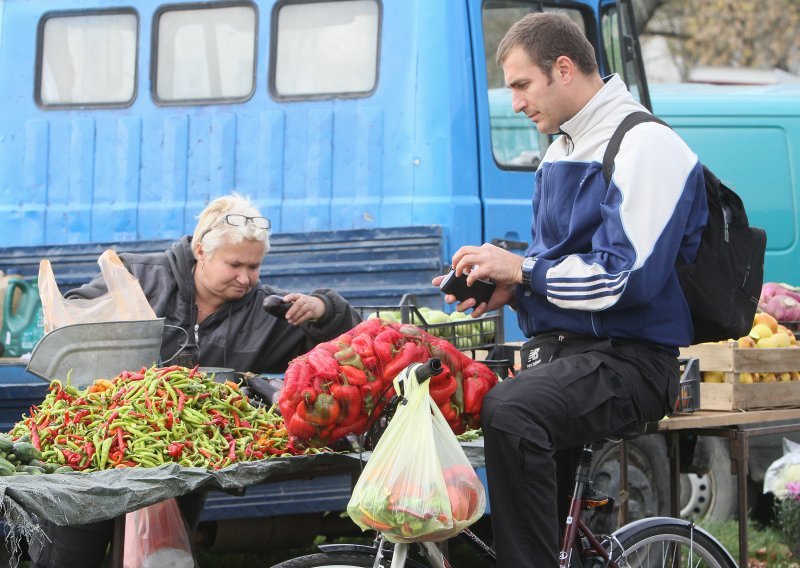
x=712 y=494
x=648 y=480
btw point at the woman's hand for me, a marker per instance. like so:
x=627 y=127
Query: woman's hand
x=304 y=308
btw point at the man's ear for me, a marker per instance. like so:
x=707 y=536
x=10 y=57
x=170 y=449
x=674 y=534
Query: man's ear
x=564 y=69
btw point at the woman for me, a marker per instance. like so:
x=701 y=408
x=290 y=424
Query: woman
x=207 y=288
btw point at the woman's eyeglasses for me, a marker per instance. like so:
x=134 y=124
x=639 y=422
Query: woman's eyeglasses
x=240 y=221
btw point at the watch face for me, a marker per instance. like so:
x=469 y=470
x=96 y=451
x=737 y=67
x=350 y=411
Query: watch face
x=527 y=264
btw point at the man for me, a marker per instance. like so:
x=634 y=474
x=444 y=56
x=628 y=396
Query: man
x=597 y=290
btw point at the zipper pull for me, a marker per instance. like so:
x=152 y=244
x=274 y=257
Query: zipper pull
x=197 y=334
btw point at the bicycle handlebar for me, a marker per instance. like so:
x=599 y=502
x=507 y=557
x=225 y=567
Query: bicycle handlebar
x=430 y=368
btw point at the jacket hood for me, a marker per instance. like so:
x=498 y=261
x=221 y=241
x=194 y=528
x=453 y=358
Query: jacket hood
x=182 y=262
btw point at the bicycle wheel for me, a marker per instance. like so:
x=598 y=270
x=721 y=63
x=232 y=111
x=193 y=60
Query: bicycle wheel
x=667 y=542
x=330 y=560
x=340 y=559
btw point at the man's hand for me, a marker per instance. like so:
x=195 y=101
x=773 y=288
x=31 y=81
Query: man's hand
x=487 y=262
x=304 y=308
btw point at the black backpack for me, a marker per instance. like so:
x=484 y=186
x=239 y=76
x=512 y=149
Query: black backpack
x=723 y=284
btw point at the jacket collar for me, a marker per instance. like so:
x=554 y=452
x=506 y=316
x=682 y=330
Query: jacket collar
x=608 y=100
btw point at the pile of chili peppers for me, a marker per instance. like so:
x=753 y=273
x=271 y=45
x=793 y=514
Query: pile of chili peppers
x=340 y=386
x=150 y=417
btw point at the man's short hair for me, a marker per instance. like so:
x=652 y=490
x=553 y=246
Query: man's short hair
x=546 y=36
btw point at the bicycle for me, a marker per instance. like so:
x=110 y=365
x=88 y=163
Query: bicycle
x=646 y=543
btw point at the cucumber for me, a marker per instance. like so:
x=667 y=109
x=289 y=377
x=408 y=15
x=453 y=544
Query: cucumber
x=32 y=469
x=6 y=464
x=25 y=452
x=51 y=467
x=6 y=470
x=63 y=469
x=5 y=444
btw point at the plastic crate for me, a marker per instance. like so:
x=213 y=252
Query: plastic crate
x=689 y=393
x=469 y=334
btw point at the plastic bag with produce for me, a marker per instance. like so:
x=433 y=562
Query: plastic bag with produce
x=156 y=536
x=418 y=484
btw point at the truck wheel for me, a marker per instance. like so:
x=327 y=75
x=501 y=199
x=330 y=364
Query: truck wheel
x=712 y=495
x=648 y=480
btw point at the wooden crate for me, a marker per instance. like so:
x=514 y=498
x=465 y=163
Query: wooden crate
x=730 y=396
x=732 y=361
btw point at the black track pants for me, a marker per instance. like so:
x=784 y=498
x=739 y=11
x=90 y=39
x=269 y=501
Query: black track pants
x=579 y=390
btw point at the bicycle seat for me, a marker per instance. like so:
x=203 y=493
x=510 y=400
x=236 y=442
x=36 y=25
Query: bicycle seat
x=628 y=432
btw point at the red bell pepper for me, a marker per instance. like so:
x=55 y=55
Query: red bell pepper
x=323 y=412
x=349 y=400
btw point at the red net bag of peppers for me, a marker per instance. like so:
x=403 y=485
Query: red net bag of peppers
x=340 y=386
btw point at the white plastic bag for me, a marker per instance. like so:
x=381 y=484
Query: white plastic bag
x=124 y=301
x=418 y=484
x=156 y=537
x=783 y=470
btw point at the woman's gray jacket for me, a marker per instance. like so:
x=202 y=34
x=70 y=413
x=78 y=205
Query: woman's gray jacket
x=240 y=335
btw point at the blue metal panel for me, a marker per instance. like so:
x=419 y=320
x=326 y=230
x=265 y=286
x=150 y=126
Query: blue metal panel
x=747 y=135
x=321 y=494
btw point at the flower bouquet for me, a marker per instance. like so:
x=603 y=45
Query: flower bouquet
x=783 y=481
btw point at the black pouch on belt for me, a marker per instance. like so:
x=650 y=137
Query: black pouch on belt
x=543 y=348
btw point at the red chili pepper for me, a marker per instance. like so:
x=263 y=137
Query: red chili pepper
x=83 y=412
x=231 y=448
x=89 y=449
x=35 y=436
x=167 y=370
x=175 y=450
x=181 y=399
x=193 y=371
x=120 y=440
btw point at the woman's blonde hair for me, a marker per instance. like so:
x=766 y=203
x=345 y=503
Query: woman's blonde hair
x=212 y=230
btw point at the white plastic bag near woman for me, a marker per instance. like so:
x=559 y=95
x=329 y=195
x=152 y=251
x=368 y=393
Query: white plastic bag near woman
x=124 y=301
x=418 y=484
x=156 y=537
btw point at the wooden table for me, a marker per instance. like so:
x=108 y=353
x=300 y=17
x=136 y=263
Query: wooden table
x=738 y=427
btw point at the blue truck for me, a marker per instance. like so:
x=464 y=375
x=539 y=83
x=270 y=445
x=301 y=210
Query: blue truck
x=375 y=135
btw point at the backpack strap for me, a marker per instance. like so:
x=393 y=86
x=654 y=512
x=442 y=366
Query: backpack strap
x=612 y=149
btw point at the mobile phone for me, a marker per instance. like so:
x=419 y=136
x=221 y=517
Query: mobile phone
x=481 y=290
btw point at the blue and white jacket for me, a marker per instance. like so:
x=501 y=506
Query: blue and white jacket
x=605 y=253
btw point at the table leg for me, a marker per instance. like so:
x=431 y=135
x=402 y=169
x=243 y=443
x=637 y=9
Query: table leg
x=118 y=542
x=674 y=452
x=739 y=458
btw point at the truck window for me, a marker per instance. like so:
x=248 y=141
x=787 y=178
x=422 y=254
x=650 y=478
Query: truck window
x=86 y=59
x=324 y=49
x=516 y=143
x=204 y=53
x=621 y=49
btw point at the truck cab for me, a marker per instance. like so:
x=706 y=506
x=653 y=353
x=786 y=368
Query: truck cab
x=123 y=119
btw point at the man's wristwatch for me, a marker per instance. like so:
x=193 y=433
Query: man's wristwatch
x=527 y=267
